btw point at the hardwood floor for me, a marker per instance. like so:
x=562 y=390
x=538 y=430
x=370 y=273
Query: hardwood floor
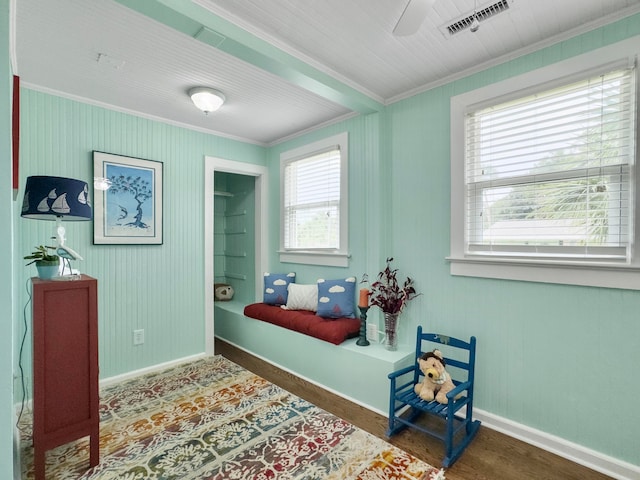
x=491 y=456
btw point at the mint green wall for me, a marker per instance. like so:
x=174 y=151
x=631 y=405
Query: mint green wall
x=157 y=288
x=6 y=246
x=549 y=356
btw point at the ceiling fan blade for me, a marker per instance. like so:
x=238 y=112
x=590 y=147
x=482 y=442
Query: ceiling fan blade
x=414 y=14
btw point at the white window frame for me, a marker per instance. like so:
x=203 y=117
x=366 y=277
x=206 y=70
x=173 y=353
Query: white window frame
x=334 y=257
x=575 y=272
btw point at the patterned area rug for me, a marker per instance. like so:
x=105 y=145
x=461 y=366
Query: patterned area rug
x=212 y=419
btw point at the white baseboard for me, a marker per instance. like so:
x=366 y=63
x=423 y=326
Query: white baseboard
x=571 y=451
x=153 y=368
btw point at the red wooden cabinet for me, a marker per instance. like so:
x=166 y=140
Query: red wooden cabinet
x=65 y=366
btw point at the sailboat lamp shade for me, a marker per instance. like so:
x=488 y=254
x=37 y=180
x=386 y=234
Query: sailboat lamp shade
x=48 y=198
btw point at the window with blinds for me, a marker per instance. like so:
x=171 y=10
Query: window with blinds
x=311 y=208
x=314 y=203
x=549 y=175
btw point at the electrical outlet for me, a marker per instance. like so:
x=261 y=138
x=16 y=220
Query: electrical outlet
x=138 y=337
x=372 y=332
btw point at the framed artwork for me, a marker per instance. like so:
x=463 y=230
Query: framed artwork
x=128 y=200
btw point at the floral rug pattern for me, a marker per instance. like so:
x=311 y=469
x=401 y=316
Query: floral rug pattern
x=212 y=419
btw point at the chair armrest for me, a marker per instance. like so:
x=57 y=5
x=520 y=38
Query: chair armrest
x=458 y=390
x=402 y=371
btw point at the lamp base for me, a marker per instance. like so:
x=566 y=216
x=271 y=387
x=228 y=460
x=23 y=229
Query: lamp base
x=68 y=278
x=68 y=253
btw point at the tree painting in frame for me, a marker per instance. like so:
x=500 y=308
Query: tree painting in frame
x=128 y=197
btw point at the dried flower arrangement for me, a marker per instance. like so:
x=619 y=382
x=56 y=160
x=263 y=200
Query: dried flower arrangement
x=386 y=292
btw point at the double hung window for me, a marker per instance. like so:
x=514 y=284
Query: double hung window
x=314 y=203
x=544 y=175
x=548 y=174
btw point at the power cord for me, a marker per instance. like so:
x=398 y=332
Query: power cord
x=24 y=337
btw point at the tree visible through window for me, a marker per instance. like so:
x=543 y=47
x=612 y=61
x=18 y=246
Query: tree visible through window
x=549 y=174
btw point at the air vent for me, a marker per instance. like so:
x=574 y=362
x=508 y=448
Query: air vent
x=484 y=13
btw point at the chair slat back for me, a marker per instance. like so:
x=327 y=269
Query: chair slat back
x=467 y=364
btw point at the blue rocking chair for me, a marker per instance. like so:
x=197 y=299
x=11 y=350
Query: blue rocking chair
x=455 y=428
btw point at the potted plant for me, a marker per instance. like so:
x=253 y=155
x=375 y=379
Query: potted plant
x=46 y=263
x=391 y=297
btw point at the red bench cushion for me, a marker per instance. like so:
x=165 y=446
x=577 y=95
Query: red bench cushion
x=333 y=330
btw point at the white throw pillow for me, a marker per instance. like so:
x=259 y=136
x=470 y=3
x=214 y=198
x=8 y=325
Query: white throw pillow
x=302 y=297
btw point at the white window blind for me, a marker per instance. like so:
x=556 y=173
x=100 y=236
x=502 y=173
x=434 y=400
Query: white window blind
x=549 y=175
x=311 y=210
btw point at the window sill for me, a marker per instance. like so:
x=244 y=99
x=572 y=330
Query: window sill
x=607 y=275
x=328 y=259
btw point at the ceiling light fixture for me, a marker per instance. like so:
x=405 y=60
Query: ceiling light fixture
x=206 y=99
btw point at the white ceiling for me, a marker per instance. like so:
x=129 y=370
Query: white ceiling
x=285 y=66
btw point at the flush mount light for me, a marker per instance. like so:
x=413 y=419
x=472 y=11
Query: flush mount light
x=206 y=99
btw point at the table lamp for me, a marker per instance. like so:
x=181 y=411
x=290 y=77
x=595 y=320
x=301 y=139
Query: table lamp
x=55 y=198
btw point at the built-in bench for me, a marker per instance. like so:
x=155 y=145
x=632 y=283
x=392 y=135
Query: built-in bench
x=351 y=371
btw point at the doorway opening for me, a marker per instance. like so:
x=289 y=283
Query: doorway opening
x=228 y=258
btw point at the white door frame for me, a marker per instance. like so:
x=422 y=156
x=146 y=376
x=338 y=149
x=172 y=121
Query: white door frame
x=212 y=165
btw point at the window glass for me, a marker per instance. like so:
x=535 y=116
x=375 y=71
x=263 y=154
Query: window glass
x=314 y=203
x=544 y=175
x=549 y=174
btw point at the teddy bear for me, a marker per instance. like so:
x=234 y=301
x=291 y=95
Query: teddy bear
x=437 y=381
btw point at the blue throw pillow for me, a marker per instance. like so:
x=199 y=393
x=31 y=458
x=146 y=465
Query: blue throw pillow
x=275 y=287
x=336 y=298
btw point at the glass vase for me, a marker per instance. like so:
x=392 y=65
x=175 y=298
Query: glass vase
x=391 y=331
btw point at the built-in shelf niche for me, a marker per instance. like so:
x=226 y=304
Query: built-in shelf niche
x=234 y=242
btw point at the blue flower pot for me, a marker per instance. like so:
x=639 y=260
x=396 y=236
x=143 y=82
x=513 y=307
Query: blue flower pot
x=47 y=271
